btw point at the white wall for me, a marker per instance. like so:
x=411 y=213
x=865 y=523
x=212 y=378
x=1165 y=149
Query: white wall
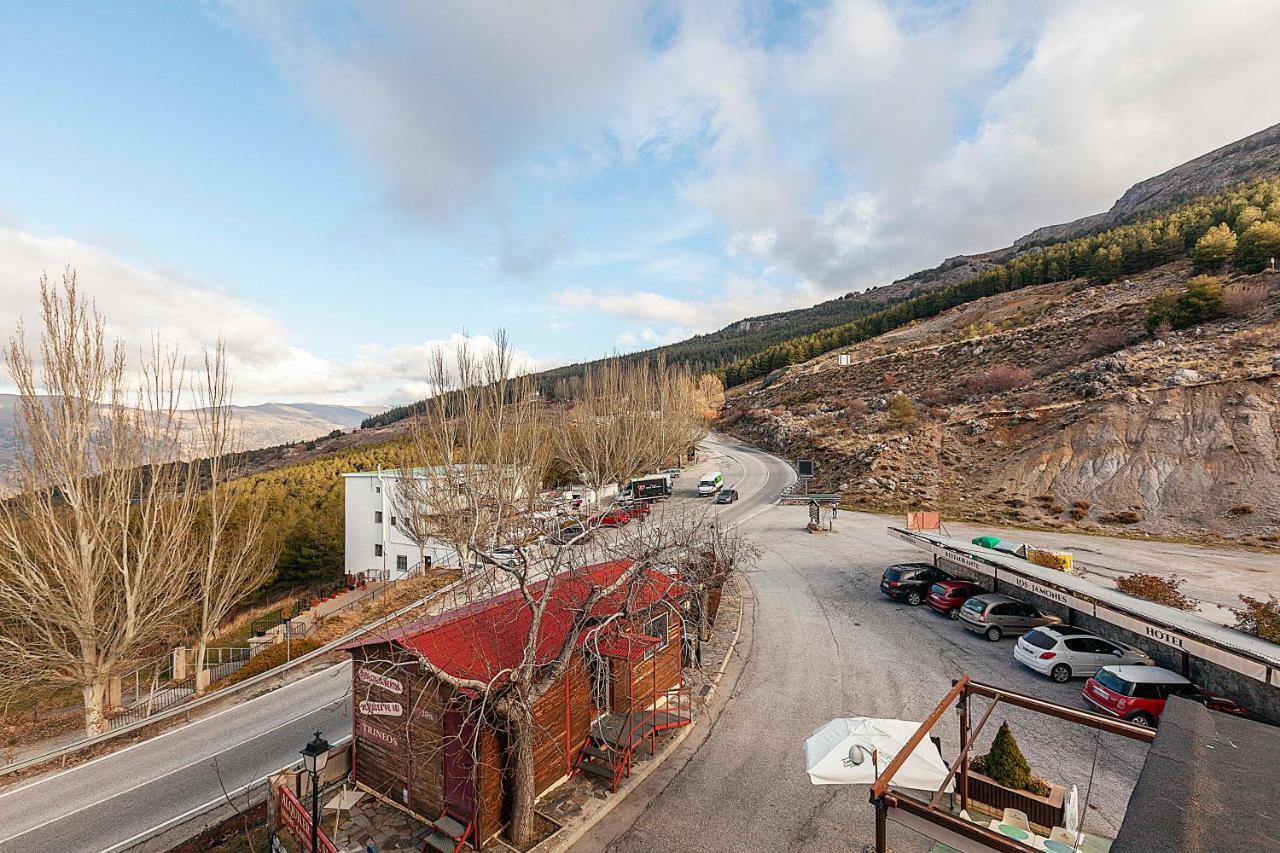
x=367 y=494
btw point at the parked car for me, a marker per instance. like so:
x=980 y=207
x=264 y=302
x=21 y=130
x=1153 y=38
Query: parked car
x=727 y=496
x=673 y=473
x=1138 y=693
x=947 y=596
x=994 y=615
x=570 y=533
x=504 y=556
x=710 y=484
x=1063 y=652
x=612 y=518
x=910 y=582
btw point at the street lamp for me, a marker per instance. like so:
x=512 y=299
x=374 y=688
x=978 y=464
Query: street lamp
x=314 y=757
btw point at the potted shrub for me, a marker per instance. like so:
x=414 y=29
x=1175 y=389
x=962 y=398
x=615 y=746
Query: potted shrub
x=1003 y=779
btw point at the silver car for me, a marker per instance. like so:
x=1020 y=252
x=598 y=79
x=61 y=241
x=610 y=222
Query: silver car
x=1063 y=652
x=994 y=615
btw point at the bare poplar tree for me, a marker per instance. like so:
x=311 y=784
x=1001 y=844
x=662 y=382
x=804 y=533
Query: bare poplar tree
x=234 y=558
x=95 y=556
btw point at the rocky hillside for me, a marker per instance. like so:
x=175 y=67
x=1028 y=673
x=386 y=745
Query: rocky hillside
x=1254 y=156
x=1050 y=406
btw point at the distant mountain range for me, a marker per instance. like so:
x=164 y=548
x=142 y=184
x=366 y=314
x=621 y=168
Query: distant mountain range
x=264 y=425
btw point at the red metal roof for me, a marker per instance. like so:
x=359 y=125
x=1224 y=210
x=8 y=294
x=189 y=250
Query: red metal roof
x=481 y=640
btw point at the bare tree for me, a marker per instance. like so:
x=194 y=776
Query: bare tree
x=234 y=558
x=95 y=549
x=477 y=454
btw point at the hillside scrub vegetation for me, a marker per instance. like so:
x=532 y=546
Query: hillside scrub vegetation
x=1101 y=258
x=1201 y=300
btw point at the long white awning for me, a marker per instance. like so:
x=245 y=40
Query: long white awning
x=1188 y=632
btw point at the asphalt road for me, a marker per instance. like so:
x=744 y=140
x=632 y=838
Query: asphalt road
x=106 y=804
x=824 y=643
x=115 y=802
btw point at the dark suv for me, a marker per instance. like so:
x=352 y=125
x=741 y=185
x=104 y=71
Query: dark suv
x=910 y=582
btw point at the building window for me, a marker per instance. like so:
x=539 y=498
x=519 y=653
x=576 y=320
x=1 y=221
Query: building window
x=657 y=628
x=377 y=550
x=402 y=563
x=393 y=521
x=377 y=516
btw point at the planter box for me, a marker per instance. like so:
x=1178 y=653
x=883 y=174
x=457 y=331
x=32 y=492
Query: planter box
x=991 y=797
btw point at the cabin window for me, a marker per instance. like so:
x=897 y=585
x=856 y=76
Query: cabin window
x=657 y=628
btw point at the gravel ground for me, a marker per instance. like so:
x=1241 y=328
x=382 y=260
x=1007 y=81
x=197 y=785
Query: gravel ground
x=824 y=643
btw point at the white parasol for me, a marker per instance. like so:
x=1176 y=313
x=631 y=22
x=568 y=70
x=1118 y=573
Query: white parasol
x=853 y=750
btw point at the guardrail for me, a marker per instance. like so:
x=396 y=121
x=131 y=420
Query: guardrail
x=186 y=708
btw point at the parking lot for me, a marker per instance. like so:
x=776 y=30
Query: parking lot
x=825 y=643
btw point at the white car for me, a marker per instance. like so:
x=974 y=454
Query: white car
x=1063 y=652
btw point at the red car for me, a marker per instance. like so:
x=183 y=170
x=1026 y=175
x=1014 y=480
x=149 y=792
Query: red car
x=612 y=518
x=947 y=596
x=637 y=508
x=1138 y=693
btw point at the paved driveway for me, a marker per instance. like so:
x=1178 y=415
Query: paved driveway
x=823 y=644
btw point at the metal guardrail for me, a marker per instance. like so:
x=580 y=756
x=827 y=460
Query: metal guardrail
x=187 y=707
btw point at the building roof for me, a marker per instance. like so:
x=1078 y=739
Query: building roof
x=482 y=640
x=1209 y=783
x=1138 y=674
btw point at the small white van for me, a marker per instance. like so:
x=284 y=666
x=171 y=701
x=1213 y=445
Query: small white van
x=710 y=484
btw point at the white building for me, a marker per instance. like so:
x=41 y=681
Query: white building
x=376 y=543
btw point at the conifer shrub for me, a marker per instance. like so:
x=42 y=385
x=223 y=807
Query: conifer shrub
x=1006 y=764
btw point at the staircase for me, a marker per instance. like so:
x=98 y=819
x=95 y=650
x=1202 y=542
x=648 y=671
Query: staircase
x=449 y=834
x=614 y=738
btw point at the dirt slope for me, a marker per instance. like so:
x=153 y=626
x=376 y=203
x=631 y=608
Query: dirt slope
x=1107 y=428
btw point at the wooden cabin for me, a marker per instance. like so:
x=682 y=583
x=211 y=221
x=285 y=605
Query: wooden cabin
x=432 y=749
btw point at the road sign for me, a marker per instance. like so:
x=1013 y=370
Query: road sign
x=804 y=467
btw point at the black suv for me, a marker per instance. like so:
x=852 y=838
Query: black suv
x=910 y=582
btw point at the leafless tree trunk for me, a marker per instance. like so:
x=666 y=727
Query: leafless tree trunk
x=95 y=549
x=234 y=558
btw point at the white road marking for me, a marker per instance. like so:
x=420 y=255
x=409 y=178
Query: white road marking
x=200 y=721
x=178 y=769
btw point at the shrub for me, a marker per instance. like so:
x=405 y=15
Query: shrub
x=891 y=380
x=1107 y=339
x=857 y=408
x=1123 y=517
x=999 y=378
x=1214 y=249
x=1260 y=618
x=1239 y=510
x=902 y=411
x=1199 y=301
x=1166 y=591
x=1242 y=301
x=1082 y=504
x=1006 y=764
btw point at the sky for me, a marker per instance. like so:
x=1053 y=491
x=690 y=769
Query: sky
x=337 y=189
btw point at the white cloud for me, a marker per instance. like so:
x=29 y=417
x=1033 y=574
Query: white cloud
x=442 y=96
x=140 y=303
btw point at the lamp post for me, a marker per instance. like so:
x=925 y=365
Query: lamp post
x=315 y=755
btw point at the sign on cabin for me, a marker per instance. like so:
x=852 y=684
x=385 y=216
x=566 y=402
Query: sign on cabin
x=381 y=709
x=382 y=681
